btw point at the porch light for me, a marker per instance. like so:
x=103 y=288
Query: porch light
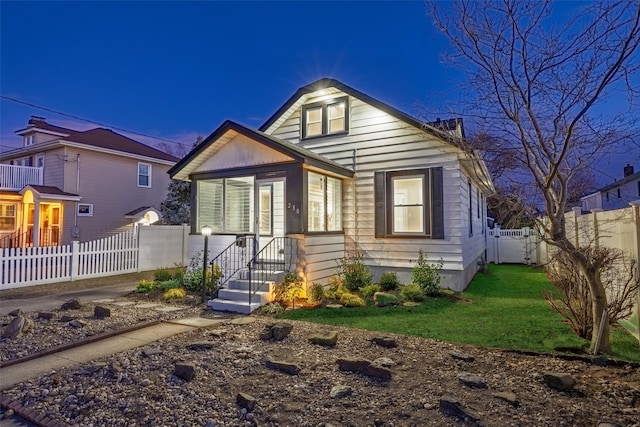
x=206 y=232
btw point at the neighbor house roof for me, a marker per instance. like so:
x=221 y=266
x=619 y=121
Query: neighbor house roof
x=620 y=182
x=49 y=192
x=189 y=163
x=39 y=123
x=105 y=138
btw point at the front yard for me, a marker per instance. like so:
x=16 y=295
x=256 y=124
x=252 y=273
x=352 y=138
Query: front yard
x=503 y=309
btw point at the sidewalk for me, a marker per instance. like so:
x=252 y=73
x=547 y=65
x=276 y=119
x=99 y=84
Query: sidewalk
x=21 y=372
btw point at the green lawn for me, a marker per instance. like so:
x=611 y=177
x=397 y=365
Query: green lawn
x=503 y=309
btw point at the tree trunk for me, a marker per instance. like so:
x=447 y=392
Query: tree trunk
x=598 y=307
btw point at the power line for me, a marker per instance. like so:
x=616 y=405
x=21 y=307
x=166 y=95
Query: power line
x=19 y=101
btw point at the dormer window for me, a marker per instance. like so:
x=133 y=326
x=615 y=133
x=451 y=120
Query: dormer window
x=324 y=118
x=28 y=140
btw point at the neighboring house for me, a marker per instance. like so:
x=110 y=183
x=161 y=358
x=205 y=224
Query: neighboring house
x=342 y=172
x=65 y=185
x=615 y=196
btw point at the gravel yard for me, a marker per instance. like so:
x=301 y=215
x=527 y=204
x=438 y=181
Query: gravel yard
x=142 y=387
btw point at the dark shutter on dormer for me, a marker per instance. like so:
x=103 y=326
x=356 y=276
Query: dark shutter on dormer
x=437 y=207
x=380 y=204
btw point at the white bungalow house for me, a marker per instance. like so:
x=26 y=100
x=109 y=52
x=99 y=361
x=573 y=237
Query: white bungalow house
x=335 y=172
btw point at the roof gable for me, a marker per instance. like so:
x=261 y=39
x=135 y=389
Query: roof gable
x=229 y=130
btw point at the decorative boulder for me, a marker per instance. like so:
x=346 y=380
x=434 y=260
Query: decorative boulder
x=386 y=342
x=101 y=312
x=18 y=326
x=276 y=331
x=472 y=380
x=452 y=407
x=186 y=371
x=327 y=339
x=286 y=367
x=383 y=299
x=340 y=391
x=245 y=400
x=559 y=381
x=72 y=304
x=365 y=367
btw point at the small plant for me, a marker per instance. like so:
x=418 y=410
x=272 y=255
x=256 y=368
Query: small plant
x=316 y=293
x=427 y=276
x=335 y=289
x=174 y=293
x=353 y=272
x=389 y=281
x=272 y=308
x=369 y=290
x=289 y=289
x=168 y=284
x=412 y=292
x=163 y=275
x=145 y=286
x=352 y=300
x=192 y=281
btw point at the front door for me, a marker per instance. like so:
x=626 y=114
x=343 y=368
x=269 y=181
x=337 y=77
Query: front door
x=270 y=212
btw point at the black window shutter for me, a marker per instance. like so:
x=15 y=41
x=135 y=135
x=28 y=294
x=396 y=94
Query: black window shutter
x=437 y=208
x=380 y=204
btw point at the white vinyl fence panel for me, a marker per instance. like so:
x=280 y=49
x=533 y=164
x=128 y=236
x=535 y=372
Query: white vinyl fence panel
x=512 y=246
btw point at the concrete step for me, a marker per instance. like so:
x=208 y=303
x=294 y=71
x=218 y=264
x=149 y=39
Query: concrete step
x=233 y=306
x=244 y=285
x=271 y=275
x=243 y=296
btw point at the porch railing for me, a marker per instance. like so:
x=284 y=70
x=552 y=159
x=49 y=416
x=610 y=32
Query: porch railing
x=14 y=177
x=24 y=239
x=280 y=254
x=234 y=258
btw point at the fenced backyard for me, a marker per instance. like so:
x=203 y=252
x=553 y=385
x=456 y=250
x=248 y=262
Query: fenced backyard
x=140 y=249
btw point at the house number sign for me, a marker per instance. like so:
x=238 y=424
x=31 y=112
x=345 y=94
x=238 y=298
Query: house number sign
x=293 y=208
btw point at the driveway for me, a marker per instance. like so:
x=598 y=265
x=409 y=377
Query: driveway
x=47 y=297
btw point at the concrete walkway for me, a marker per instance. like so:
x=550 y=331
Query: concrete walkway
x=21 y=372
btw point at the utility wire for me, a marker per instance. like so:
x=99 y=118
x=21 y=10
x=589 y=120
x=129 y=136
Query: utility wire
x=19 y=101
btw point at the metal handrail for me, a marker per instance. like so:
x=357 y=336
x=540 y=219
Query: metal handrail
x=233 y=258
x=273 y=254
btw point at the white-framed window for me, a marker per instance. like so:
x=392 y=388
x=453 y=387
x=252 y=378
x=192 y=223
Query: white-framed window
x=324 y=203
x=40 y=160
x=226 y=204
x=408 y=204
x=29 y=140
x=144 y=175
x=324 y=118
x=7 y=216
x=85 y=209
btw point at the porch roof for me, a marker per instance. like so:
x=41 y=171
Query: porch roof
x=220 y=137
x=50 y=193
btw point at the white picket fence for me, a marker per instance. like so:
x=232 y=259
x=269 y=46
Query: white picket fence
x=145 y=248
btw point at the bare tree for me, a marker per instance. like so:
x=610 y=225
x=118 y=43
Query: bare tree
x=538 y=82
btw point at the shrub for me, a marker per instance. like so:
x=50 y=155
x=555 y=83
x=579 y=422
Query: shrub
x=174 y=293
x=389 y=281
x=353 y=272
x=412 y=292
x=192 y=281
x=316 y=293
x=168 y=284
x=145 y=286
x=335 y=289
x=382 y=299
x=427 y=276
x=272 y=308
x=163 y=275
x=289 y=289
x=369 y=290
x=352 y=300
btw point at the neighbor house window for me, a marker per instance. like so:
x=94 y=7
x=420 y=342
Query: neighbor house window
x=226 y=204
x=144 y=175
x=40 y=160
x=85 y=209
x=7 y=217
x=325 y=118
x=29 y=140
x=408 y=203
x=324 y=203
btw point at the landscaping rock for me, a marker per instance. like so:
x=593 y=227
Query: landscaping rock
x=18 y=326
x=451 y=407
x=17 y=312
x=384 y=361
x=608 y=424
x=334 y=306
x=101 y=312
x=383 y=299
x=92 y=369
x=201 y=345
x=472 y=380
x=461 y=356
x=72 y=304
x=245 y=400
x=45 y=315
x=340 y=391
x=78 y=323
x=507 y=396
x=559 y=381
x=148 y=352
x=327 y=339
x=186 y=371
x=286 y=367
x=386 y=342
x=365 y=367
x=276 y=331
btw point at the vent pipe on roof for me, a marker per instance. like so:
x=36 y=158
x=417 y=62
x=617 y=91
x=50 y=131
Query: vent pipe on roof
x=628 y=170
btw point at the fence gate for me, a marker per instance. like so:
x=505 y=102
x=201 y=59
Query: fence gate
x=511 y=246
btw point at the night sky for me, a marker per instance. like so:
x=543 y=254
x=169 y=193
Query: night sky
x=175 y=70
